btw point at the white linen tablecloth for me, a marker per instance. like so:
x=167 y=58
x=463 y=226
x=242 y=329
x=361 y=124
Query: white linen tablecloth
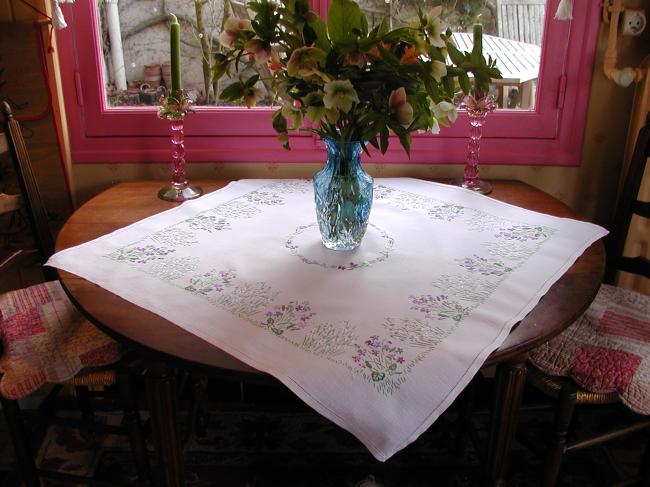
x=379 y=340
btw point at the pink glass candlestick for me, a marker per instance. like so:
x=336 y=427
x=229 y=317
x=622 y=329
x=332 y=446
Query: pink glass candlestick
x=179 y=189
x=477 y=109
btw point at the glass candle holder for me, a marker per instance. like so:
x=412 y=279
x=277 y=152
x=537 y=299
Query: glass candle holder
x=174 y=108
x=477 y=110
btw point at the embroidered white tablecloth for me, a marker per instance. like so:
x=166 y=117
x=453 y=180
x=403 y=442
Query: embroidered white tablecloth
x=379 y=340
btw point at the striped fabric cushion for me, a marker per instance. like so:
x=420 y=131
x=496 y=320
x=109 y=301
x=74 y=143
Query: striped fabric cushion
x=45 y=339
x=607 y=349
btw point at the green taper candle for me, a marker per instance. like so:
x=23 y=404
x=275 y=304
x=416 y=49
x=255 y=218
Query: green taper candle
x=478 y=39
x=175 y=48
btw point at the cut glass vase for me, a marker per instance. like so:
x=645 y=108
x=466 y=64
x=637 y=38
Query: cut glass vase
x=343 y=195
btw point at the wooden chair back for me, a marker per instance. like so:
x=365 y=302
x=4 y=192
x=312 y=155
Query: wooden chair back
x=628 y=206
x=34 y=207
x=31 y=474
x=521 y=20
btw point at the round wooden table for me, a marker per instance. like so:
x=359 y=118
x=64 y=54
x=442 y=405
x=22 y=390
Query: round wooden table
x=168 y=344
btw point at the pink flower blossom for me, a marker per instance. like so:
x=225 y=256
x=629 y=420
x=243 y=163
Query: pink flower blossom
x=401 y=107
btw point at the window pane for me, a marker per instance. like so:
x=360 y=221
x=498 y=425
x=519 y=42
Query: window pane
x=513 y=32
x=135 y=35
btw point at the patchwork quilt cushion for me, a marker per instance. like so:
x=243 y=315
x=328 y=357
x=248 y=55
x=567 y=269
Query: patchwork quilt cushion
x=607 y=349
x=45 y=339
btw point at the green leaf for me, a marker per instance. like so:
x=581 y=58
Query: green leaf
x=279 y=122
x=482 y=81
x=405 y=140
x=383 y=137
x=367 y=44
x=233 y=91
x=320 y=31
x=365 y=147
x=265 y=21
x=463 y=81
x=435 y=54
x=250 y=82
x=343 y=18
x=301 y=8
x=456 y=56
x=448 y=84
x=397 y=35
x=383 y=28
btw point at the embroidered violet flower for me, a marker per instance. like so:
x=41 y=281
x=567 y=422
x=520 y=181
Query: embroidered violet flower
x=379 y=358
x=292 y=316
x=340 y=94
x=440 y=307
x=401 y=107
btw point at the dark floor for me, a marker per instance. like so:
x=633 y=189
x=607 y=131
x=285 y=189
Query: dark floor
x=271 y=440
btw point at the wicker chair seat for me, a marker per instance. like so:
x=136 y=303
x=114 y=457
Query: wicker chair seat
x=606 y=351
x=46 y=340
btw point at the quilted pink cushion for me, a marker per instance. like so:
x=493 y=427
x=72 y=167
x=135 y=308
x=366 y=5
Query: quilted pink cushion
x=607 y=349
x=45 y=339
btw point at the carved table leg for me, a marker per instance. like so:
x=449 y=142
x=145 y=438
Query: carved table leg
x=510 y=380
x=163 y=404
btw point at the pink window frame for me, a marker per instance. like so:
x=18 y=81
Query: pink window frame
x=550 y=135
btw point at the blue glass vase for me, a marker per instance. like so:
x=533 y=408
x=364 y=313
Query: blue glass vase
x=343 y=195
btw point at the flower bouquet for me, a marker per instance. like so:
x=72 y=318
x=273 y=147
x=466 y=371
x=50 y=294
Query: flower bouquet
x=350 y=84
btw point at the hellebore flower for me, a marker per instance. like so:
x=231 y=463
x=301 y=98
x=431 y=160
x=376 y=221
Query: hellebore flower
x=304 y=61
x=435 y=27
x=357 y=59
x=332 y=115
x=397 y=98
x=236 y=24
x=231 y=29
x=293 y=114
x=227 y=38
x=340 y=94
x=275 y=65
x=283 y=138
x=438 y=70
x=435 y=128
x=260 y=50
x=401 y=107
x=252 y=96
x=445 y=109
x=419 y=42
x=315 y=108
